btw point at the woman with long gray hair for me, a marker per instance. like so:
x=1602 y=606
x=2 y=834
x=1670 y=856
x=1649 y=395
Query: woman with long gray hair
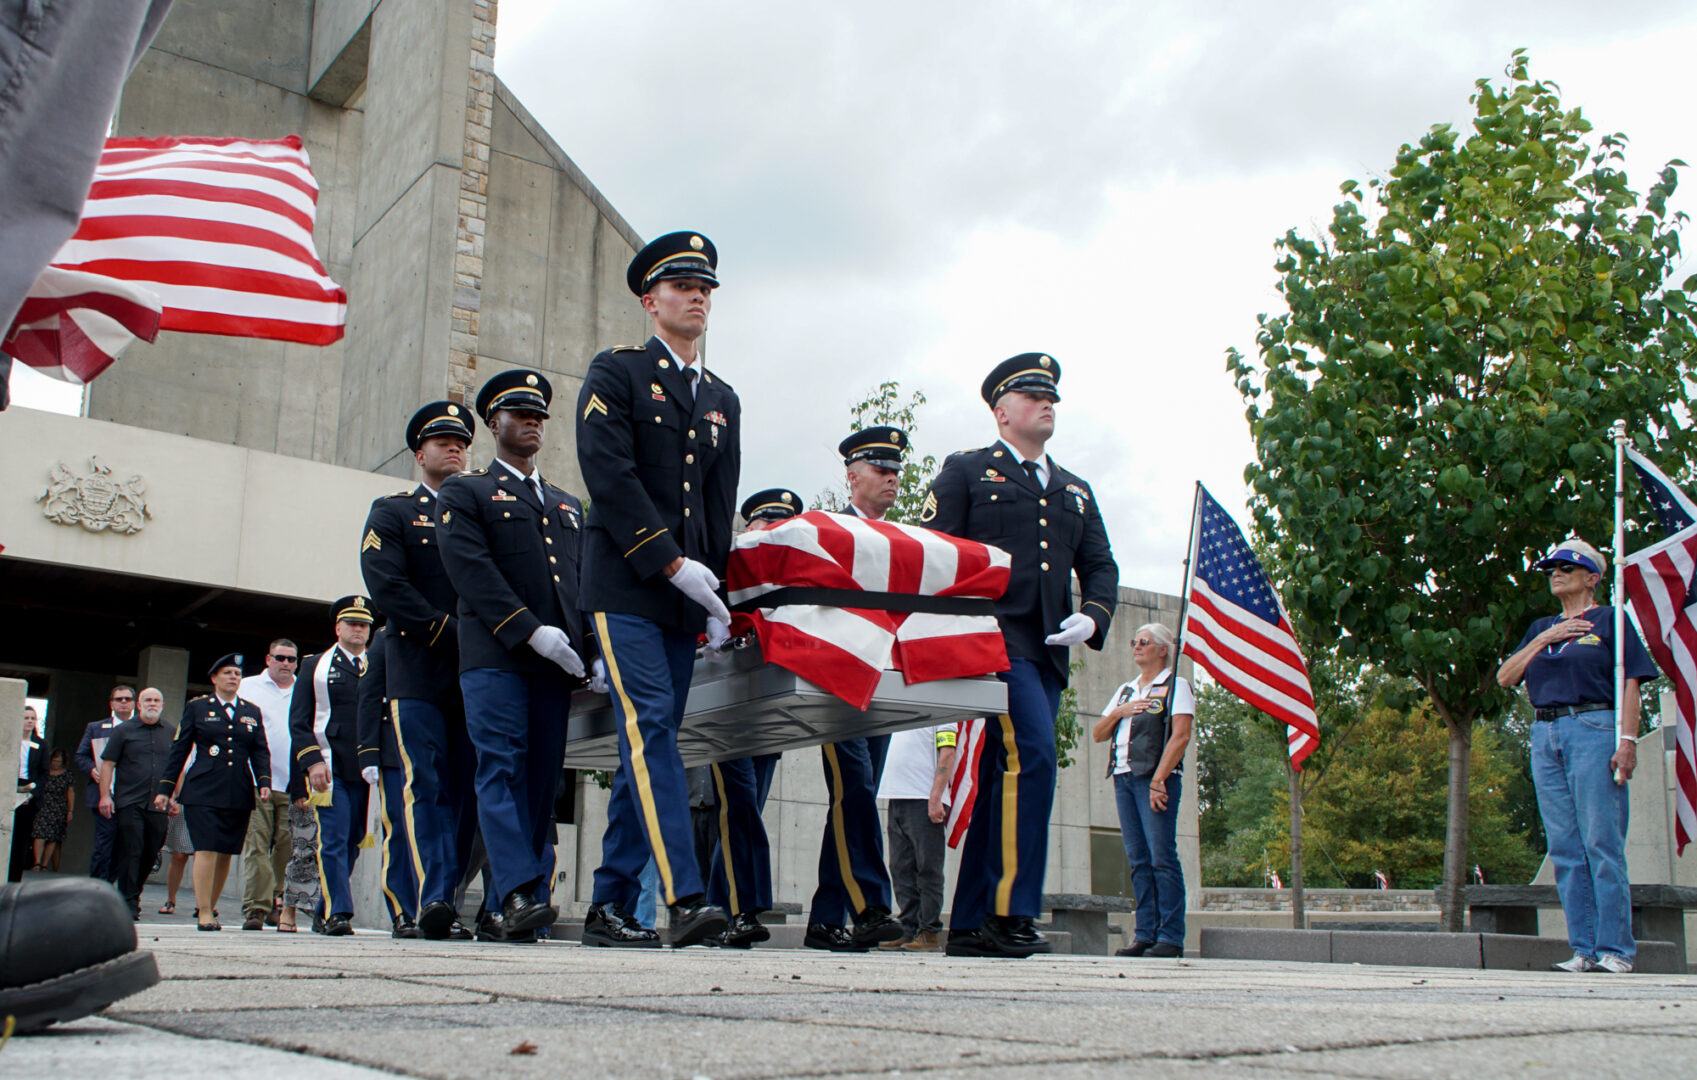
x=1149 y=720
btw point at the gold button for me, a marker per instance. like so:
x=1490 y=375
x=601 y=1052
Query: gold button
x=1045 y=566
x=556 y=577
x=1042 y=502
x=426 y=540
x=689 y=459
x=1044 y=544
x=656 y=419
x=1042 y=521
x=424 y=498
x=686 y=485
x=506 y=513
x=692 y=433
x=547 y=539
x=686 y=511
x=992 y=498
x=552 y=559
x=544 y=521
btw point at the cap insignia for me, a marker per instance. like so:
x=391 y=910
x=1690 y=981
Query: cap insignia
x=697 y=243
x=530 y=380
x=786 y=497
x=1044 y=361
x=453 y=410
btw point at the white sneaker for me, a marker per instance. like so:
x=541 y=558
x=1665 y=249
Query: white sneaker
x=1611 y=963
x=1578 y=964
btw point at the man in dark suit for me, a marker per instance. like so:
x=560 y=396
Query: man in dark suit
x=122 y=701
x=430 y=795
x=1013 y=495
x=32 y=766
x=659 y=445
x=510 y=544
x=324 y=731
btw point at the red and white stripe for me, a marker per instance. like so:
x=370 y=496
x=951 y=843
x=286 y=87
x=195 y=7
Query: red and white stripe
x=221 y=229
x=1658 y=581
x=845 y=650
x=963 y=784
x=1256 y=660
x=72 y=325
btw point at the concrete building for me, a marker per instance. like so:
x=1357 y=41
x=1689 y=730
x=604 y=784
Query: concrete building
x=468 y=243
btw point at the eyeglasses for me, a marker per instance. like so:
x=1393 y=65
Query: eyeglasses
x=1144 y=641
x=285 y=659
x=1561 y=568
x=126 y=697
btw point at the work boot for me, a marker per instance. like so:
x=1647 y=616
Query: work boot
x=924 y=941
x=67 y=949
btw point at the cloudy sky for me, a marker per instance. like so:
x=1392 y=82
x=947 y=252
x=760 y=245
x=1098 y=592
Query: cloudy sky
x=919 y=190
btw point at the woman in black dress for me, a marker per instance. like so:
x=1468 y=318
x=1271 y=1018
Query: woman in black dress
x=54 y=807
x=231 y=760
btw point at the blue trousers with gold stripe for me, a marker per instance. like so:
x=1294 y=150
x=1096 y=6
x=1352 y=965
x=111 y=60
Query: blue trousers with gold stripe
x=440 y=811
x=517 y=721
x=852 y=873
x=400 y=884
x=648 y=674
x=741 y=879
x=341 y=826
x=1006 y=849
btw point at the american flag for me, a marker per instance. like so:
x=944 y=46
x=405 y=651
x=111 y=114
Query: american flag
x=1236 y=629
x=844 y=650
x=1659 y=583
x=214 y=235
x=963 y=784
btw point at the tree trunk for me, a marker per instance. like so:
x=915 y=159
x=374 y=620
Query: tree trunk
x=1298 y=917
x=1452 y=908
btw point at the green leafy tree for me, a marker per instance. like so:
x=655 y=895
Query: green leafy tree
x=1433 y=407
x=884 y=406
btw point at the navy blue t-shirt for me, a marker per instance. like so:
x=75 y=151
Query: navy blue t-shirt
x=1582 y=669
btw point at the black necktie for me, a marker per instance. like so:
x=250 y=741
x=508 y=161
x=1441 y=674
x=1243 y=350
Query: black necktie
x=693 y=377
x=1030 y=468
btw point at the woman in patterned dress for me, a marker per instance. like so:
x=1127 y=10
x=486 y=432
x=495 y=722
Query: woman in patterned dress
x=54 y=808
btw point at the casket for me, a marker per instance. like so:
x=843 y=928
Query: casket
x=740 y=706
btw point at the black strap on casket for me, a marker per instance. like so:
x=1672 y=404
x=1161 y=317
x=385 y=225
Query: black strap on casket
x=876 y=601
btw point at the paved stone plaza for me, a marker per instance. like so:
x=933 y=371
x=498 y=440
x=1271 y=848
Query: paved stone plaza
x=253 y=1003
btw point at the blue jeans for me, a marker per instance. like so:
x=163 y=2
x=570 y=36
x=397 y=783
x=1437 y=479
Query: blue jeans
x=1585 y=814
x=1151 y=846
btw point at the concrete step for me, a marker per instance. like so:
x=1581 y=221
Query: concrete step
x=1512 y=952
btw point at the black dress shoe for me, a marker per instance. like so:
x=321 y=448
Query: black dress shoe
x=1164 y=950
x=67 y=950
x=436 y=920
x=521 y=913
x=691 y=920
x=404 y=927
x=608 y=926
x=744 y=930
x=1014 y=935
x=489 y=926
x=459 y=932
x=969 y=943
x=339 y=925
x=1136 y=948
x=832 y=938
x=876 y=925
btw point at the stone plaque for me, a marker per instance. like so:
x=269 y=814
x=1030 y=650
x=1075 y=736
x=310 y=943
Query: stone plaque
x=96 y=500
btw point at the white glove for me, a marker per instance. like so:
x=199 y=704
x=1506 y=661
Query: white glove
x=718 y=638
x=370 y=774
x=551 y=643
x=1076 y=629
x=598 y=676
x=700 y=584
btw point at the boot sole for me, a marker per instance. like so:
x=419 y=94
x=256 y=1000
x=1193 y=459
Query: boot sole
x=79 y=993
x=436 y=923
x=598 y=941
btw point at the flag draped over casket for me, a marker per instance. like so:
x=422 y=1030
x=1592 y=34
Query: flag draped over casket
x=844 y=650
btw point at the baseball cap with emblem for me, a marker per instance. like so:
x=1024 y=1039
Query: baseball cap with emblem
x=773 y=504
x=1576 y=551
x=227 y=660
x=881 y=446
x=353 y=609
x=439 y=418
x=1034 y=373
x=519 y=389
x=675 y=255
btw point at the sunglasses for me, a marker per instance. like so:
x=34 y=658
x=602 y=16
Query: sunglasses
x=285 y=659
x=126 y=698
x=1144 y=641
x=1562 y=568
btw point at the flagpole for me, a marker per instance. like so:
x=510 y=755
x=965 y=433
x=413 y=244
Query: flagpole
x=1619 y=433
x=1184 y=590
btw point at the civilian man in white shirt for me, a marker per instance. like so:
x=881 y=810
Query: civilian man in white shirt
x=265 y=852
x=915 y=781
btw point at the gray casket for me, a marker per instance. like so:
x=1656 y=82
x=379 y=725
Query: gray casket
x=743 y=706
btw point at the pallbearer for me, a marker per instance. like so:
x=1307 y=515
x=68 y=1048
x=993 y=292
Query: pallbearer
x=435 y=805
x=1013 y=495
x=659 y=446
x=510 y=543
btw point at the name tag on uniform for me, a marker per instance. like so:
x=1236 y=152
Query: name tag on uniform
x=425 y=523
x=502 y=496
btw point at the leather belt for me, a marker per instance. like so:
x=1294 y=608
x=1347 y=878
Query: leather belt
x=1555 y=712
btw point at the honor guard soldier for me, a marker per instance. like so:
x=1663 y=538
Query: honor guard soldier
x=431 y=795
x=659 y=446
x=324 y=731
x=1012 y=495
x=853 y=878
x=232 y=762
x=511 y=544
x=380 y=765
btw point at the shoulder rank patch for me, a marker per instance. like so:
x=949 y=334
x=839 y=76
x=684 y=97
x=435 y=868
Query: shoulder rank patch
x=628 y=348
x=595 y=405
x=929 y=510
x=373 y=542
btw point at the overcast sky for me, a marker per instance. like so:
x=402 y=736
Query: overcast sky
x=919 y=190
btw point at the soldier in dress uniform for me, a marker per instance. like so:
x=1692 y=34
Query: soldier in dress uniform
x=431 y=793
x=324 y=731
x=510 y=542
x=853 y=878
x=232 y=761
x=1013 y=495
x=381 y=766
x=659 y=445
